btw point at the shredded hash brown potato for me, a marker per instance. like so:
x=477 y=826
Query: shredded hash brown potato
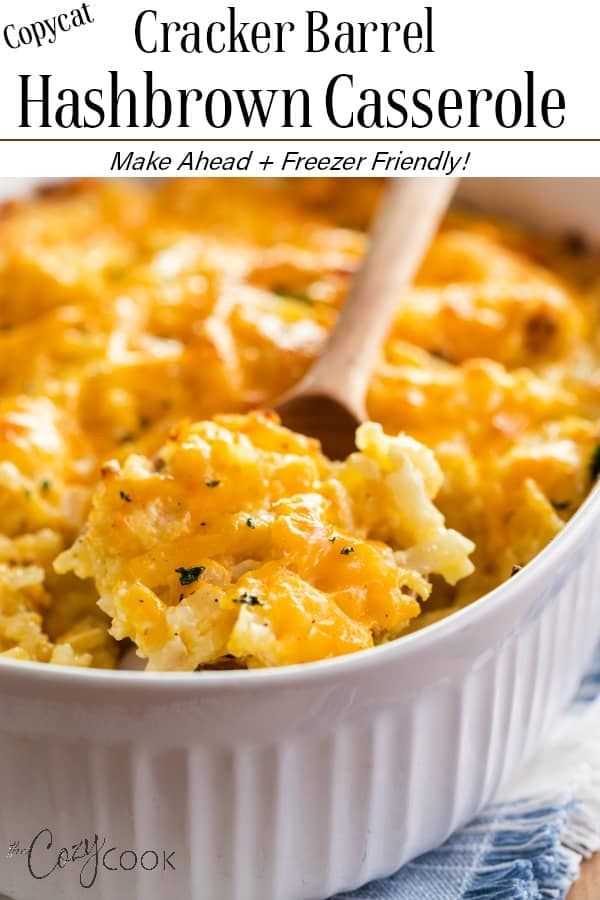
x=242 y=539
x=138 y=327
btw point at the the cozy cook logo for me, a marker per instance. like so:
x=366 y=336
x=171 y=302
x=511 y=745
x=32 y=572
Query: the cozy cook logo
x=88 y=856
x=46 y=31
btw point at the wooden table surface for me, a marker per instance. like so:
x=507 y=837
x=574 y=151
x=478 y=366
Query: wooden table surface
x=587 y=887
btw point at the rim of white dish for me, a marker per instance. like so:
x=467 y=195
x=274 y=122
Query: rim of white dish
x=547 y=558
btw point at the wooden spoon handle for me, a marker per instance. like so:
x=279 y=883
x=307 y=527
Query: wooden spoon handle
x=406 y=222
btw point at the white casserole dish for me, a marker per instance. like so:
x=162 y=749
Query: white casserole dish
x=298 y=783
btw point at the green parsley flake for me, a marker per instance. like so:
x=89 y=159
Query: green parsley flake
x=248 y=600
x=346 y=551
x=291 y=295
x=189 y=576
x=124 y=496
x=250 y=522
x=212 y=484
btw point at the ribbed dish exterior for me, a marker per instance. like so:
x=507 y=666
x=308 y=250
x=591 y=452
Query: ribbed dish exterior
x=299 y=785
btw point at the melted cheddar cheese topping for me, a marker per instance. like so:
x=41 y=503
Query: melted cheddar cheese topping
x=241 y=539
x=128 y=314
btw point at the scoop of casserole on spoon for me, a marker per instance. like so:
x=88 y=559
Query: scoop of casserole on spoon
x=329 y=402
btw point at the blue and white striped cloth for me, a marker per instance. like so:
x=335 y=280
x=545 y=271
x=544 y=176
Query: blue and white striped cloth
x=529 y=844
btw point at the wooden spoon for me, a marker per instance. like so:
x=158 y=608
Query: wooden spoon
x=329 y=402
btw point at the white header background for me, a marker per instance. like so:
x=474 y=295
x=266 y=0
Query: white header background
x=477 y=45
